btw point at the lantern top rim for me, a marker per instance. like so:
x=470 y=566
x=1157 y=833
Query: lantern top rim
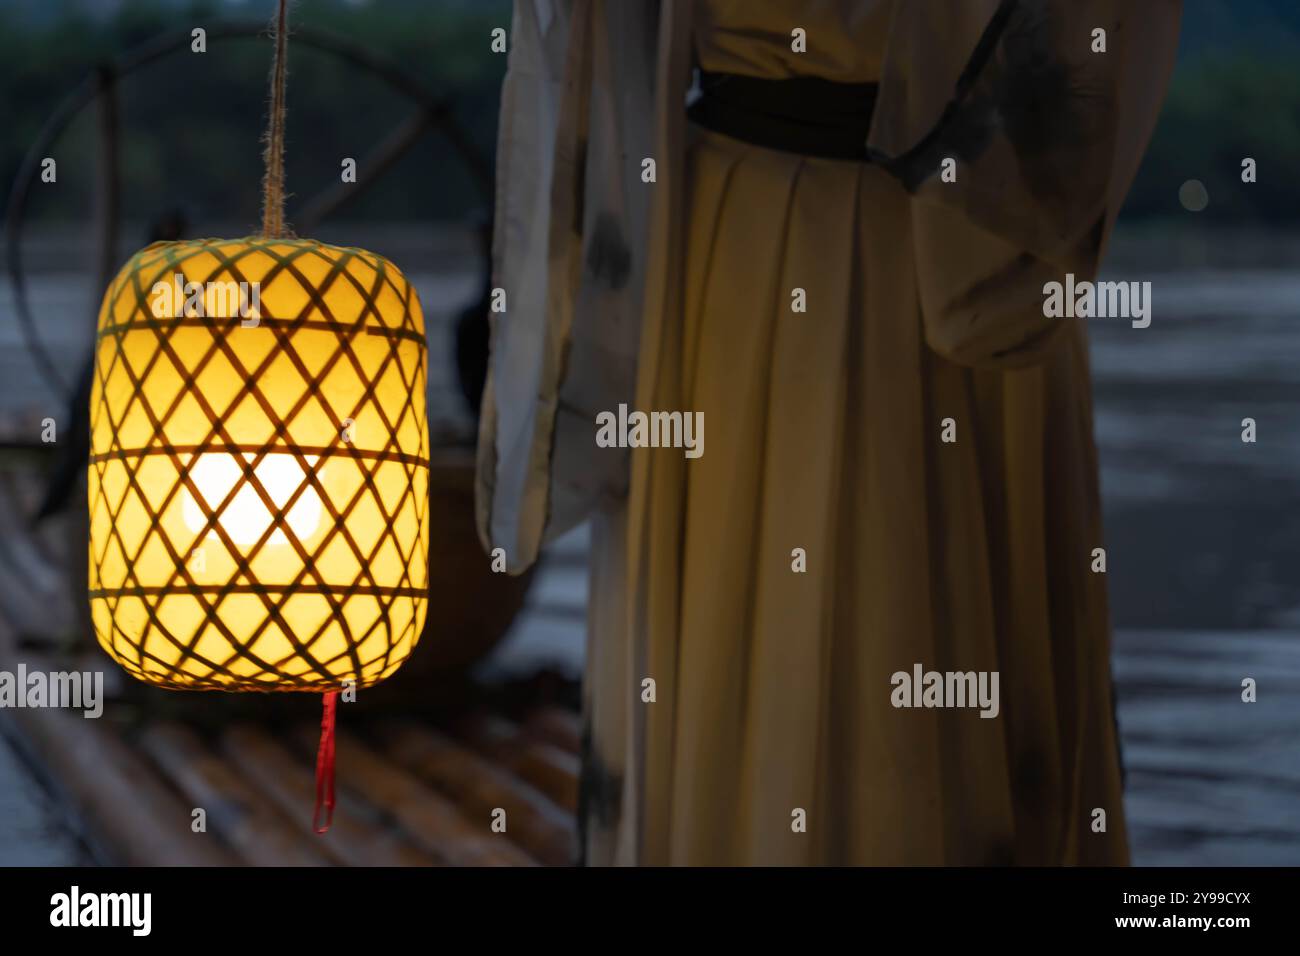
x=314 y=267
x=264 y=242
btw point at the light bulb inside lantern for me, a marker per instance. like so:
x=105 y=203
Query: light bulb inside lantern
x=247 y=517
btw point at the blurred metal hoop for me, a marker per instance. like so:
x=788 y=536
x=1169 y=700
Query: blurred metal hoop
x=100 y=85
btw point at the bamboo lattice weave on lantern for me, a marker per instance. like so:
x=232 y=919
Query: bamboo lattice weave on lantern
x=258 y=480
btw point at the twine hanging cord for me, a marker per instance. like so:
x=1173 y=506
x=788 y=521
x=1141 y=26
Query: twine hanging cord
x=273 y=195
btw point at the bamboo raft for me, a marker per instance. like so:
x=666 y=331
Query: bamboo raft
x=424 y=765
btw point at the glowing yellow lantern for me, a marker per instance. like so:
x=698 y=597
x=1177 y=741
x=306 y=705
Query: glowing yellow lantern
x=259 y=466
x=259 y=462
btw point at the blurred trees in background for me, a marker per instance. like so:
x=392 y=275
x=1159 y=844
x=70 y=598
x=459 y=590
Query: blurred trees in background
x=1223 y=108
x=193 y=122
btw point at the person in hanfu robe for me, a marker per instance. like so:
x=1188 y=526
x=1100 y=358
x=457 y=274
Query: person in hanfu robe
x=827 y=226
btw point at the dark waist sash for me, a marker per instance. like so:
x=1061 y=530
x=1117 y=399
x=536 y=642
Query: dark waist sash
x=806 y=114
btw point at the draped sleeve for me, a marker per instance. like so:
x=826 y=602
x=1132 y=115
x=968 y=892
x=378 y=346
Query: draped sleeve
x=569 y=251
x=1046 y=131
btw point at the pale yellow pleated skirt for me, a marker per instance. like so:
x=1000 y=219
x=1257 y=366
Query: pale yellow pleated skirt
x=828 y=538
